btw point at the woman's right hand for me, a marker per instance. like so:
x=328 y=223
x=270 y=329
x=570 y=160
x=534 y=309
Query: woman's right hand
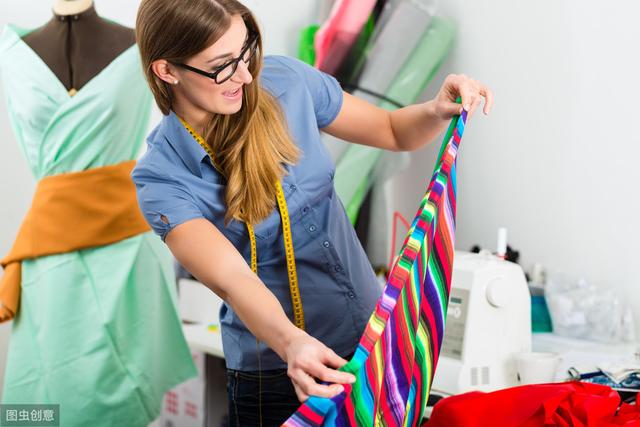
x=194 y=243
x=309 y=360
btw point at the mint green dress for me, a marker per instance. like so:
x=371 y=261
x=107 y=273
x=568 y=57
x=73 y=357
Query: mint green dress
x=97 y=330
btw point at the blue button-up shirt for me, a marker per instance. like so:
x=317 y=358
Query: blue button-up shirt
x=176 y=182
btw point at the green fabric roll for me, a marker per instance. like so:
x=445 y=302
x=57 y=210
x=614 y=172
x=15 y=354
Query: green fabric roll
x=306 y=50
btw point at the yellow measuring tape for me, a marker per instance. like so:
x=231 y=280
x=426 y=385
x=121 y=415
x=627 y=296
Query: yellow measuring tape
x=294 y=290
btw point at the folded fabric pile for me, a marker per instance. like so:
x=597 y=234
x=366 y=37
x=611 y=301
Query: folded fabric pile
x=573 y=404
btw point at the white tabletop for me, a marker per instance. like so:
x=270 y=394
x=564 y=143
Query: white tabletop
x=582 y=354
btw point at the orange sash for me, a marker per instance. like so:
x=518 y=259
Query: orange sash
x=69 y=212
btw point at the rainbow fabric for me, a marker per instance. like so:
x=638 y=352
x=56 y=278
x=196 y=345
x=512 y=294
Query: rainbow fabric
x=397 y=355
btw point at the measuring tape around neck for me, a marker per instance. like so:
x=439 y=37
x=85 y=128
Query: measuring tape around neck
x=294 y=290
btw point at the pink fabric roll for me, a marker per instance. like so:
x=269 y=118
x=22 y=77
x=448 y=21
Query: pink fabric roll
x=336 y=36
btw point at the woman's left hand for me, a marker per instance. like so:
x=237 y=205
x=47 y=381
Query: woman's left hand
x=471 y=91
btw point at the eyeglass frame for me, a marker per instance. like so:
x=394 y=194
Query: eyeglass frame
x=254 y=36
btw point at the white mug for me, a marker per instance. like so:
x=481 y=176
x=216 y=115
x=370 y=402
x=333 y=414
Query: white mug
x=537 y=367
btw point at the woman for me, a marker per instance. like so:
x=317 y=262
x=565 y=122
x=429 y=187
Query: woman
x=239 y=146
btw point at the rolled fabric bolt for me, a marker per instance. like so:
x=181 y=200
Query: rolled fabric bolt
x=408 y=20
x=336 y=36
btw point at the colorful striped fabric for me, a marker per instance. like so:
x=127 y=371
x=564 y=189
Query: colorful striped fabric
x=396 y=358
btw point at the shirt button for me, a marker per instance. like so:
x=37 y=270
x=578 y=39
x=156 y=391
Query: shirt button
x=352 y=295
x=326 y=244
x=338 y=268
x=312 y=228
x=305 y=209
x=292 y=187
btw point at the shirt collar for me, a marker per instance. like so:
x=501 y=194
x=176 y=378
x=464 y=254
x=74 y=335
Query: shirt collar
x=191 y=153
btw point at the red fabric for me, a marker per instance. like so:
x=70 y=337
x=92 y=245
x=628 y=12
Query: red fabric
x=572 y=404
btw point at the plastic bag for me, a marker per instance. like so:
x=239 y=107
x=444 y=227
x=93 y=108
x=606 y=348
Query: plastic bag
x=581 y=310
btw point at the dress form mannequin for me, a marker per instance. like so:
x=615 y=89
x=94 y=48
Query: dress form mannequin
x=76 y=46
x=84 y=336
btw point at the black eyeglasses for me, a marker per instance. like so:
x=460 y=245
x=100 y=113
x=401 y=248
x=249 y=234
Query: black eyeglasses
x=224 y=72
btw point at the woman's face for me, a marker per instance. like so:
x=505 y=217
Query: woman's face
x=203 y=92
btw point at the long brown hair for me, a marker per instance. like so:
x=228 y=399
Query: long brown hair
x=251 y=146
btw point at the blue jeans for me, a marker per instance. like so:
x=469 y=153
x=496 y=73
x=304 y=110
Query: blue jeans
x=279 y=400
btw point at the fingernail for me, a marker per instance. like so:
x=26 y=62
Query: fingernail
x=466 y=107
x=352 y=379
x=340 y=389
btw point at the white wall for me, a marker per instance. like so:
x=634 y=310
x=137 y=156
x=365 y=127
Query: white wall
x=557 y=160
x=281 y=26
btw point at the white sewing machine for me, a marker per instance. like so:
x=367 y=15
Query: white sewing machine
x=488 y=322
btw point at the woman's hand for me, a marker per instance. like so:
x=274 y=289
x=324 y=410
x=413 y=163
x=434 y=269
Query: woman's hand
x=309 y=360
x=471 y=91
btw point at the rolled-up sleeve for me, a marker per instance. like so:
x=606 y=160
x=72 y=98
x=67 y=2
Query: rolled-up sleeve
x=164 y=202
x=324 y=89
